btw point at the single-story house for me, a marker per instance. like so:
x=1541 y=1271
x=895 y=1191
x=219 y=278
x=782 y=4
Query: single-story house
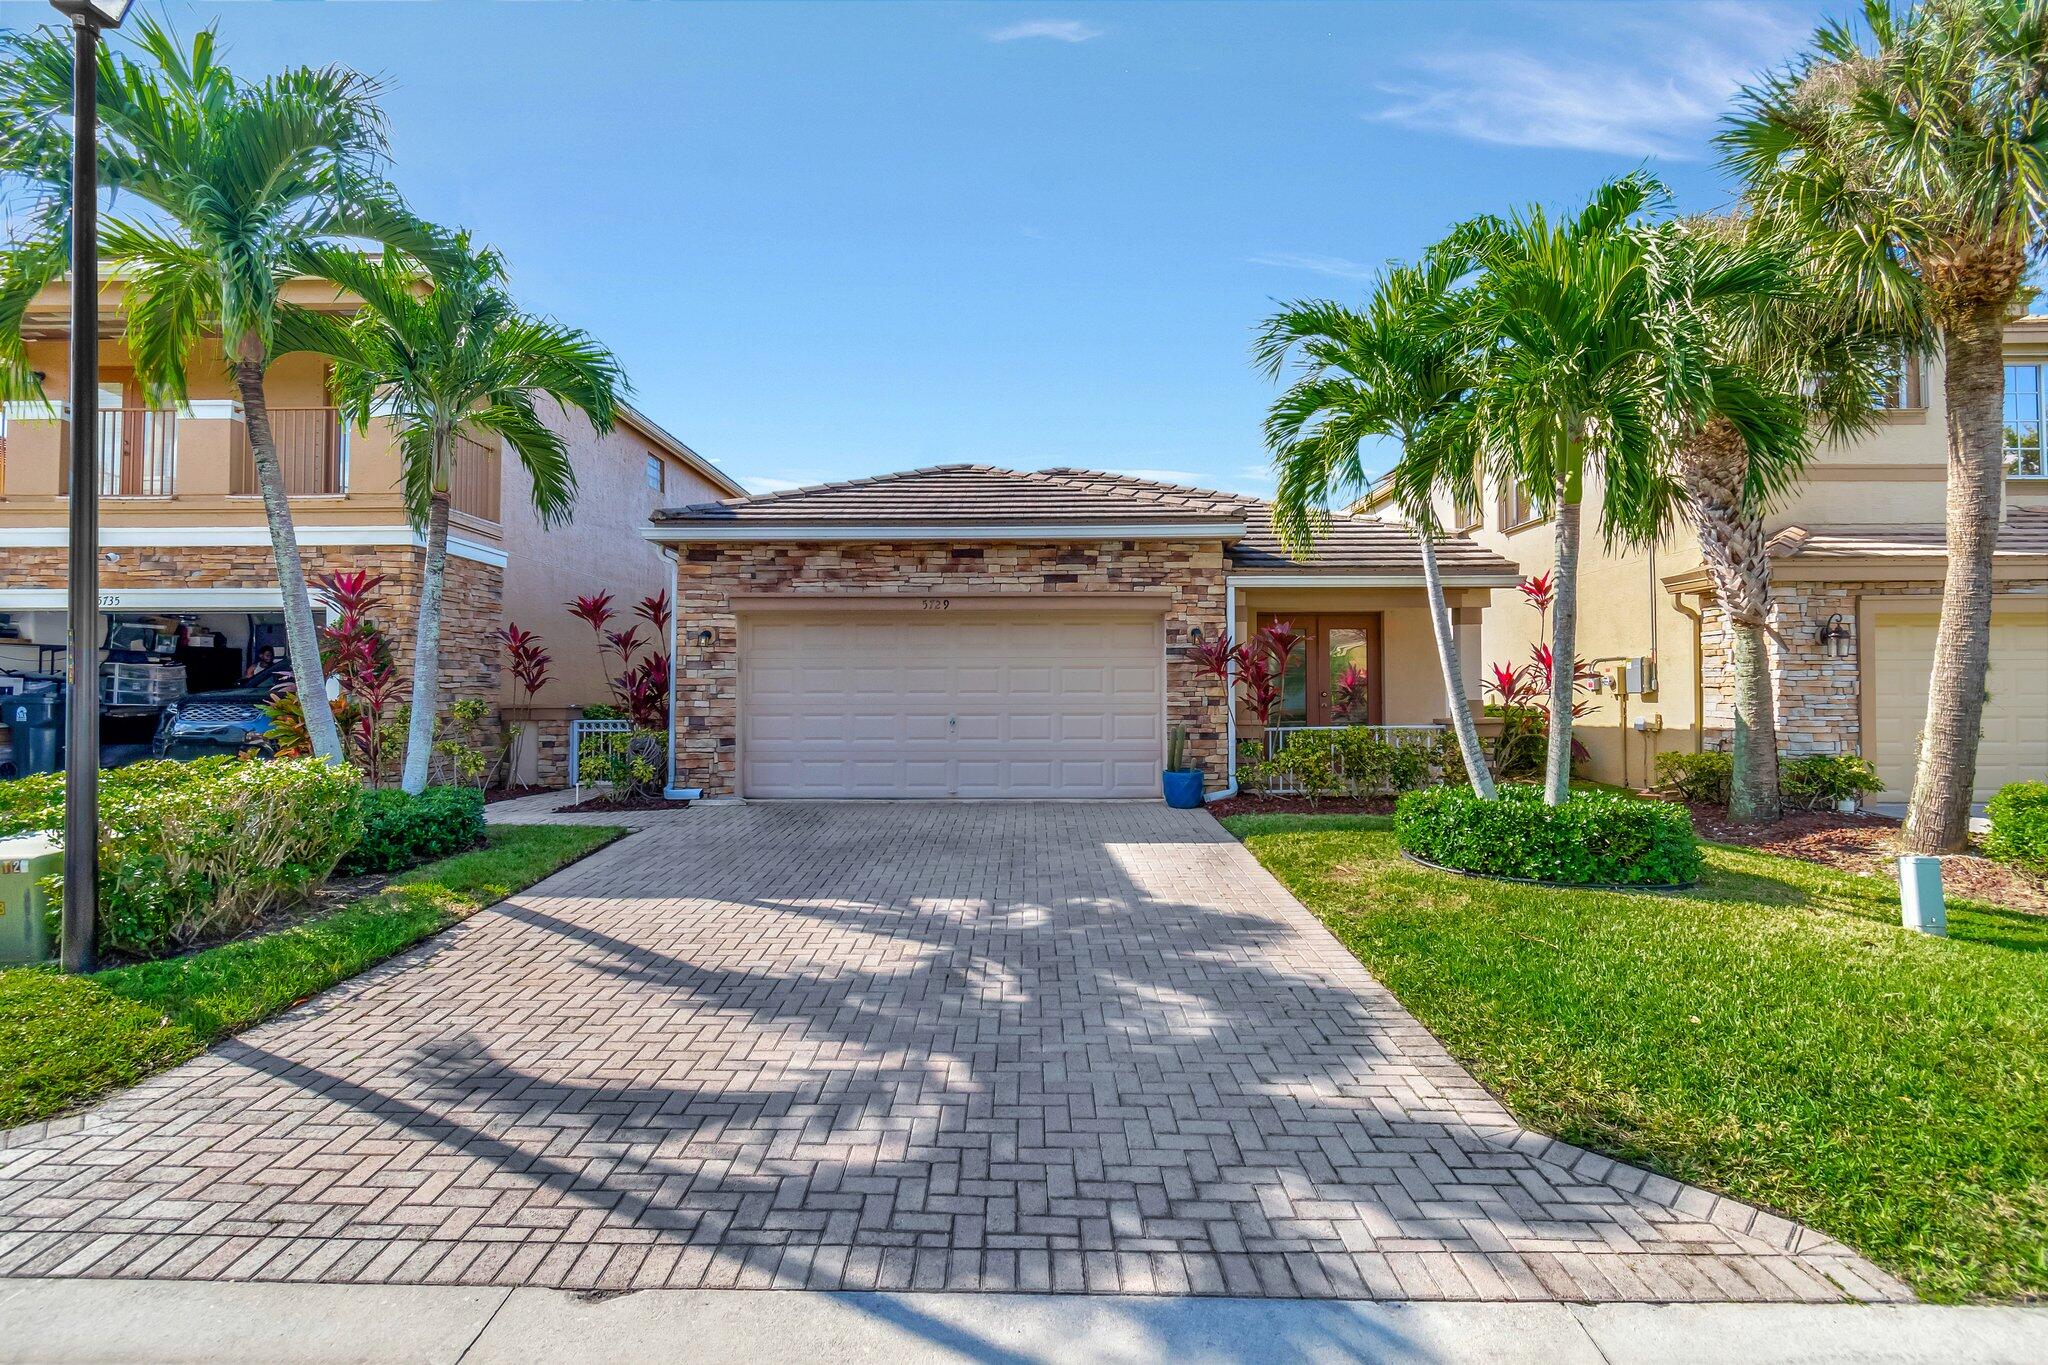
x=965 y=631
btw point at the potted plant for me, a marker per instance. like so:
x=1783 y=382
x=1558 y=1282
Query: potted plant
x=1183 y=784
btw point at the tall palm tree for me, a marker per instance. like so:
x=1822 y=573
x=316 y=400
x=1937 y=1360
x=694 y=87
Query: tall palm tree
x=1572 y=317
x=1751 y=384
x=1400 y=369
x=230 y=177
x=1915 y=162
x=434 y=348
x=1560 y=311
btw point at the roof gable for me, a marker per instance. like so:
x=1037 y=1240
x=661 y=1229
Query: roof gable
x=982 y=502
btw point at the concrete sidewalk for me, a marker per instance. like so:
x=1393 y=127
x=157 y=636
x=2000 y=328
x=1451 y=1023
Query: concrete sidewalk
x=57 y=1322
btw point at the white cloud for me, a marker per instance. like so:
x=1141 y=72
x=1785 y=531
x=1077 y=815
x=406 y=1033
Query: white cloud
x=1657 y=92
x=1337 y=266
x=1059 y=30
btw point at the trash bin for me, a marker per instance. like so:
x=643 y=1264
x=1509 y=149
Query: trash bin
x=37 y=719
x=24 y=910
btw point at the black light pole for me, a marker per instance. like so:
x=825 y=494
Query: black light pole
x=82 y=654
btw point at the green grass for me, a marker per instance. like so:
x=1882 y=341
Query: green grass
x=1774 y=1035
x=66 y=1040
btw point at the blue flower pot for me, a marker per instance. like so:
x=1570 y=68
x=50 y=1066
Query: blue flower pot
x=1183 y=789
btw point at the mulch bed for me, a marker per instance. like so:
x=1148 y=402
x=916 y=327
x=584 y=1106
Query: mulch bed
x=1300 y=805
x=598 y=805
x=497 y=794
x=1868 y=844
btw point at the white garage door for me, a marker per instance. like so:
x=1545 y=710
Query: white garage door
x=2015 y=743
x=952 y=705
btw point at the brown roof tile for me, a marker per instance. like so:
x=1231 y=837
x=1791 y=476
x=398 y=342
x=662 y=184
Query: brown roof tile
x=967 y=493
x=2025 y=533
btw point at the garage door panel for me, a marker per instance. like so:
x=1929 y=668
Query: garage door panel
x=966 y=706
x=2014 y=746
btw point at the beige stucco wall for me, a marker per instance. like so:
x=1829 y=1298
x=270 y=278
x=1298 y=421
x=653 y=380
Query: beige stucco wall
x=601 y=549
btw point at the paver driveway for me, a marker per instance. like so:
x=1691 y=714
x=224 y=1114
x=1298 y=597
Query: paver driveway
x=1040 y=1046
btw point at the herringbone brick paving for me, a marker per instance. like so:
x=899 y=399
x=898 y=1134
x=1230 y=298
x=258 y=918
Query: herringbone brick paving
x=1040 y=1046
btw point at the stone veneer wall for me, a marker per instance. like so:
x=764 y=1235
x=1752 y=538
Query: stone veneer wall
x=471 y=605
x=1819 y=699
x=707 y=679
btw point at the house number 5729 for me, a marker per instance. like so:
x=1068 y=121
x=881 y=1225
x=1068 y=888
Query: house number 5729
x=938 y=604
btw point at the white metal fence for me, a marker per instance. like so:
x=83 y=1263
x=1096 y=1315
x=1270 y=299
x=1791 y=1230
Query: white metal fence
x=594 y=741
x=1279 y=736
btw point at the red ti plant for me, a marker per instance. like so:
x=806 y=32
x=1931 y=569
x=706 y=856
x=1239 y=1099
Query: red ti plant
x=1351 y=692
x=1539 y=591
x=530 y=663
x=1256 y=664
x=640 y=686
x=356 y=654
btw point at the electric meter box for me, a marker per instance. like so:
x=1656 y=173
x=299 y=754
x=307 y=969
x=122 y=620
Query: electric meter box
x=24 y=861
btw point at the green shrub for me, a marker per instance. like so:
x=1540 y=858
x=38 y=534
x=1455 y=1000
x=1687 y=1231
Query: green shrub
x=1701 y=778
x=202 y=849
x=1594 y=837
x=631 y=764
x=1824 y=781
x=2019 y=825
x=1355 y=761
x=1810 y=782
x=604 y=710
x=401 y=831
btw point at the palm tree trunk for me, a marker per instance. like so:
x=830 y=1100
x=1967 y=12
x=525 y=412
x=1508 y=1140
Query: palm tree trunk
x=1711 y=469
x=1454 y=686
x=426 y=654
x=1938 y=820
x=1564 y=632
x=302 y=640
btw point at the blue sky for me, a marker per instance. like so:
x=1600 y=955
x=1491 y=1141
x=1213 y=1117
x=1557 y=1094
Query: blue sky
x=833 y=240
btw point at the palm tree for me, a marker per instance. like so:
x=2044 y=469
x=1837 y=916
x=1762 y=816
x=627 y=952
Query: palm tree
x=1914 y=163
x=1573 y=318
x=434 y=348
x=1751 y=385
x=232 y=177
x=1401 y=370
x=1560 y=313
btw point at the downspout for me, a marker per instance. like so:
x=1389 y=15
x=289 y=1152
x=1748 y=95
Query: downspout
x=675 y=666
x=1229 y=698
x=1699 y=686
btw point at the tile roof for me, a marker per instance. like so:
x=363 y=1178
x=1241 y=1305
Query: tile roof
x=964 y=494
x=2025 y=533
x=971 y=493
x=1353 y=544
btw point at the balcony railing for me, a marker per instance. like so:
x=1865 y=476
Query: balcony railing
x=474 y=491
x=138 y=453
x=312 y=453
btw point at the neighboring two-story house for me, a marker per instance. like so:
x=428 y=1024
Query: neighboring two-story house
x=1858 y=554
x=185 y=554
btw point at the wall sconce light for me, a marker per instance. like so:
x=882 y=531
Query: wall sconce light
x=704 y=638
x=1194 y=635
x=1834 y=636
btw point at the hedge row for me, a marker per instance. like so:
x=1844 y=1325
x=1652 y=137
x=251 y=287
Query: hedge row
x=1593 y=838
x=203 y=849
x=2019 y=825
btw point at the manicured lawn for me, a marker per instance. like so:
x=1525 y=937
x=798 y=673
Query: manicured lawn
x=1773 y=1035
x=68 y=1040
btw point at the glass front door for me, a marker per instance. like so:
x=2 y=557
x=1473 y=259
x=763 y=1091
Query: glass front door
x=1332 y=677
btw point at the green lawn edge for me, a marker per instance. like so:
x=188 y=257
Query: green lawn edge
x=66 y=1041
x=1773 y=1035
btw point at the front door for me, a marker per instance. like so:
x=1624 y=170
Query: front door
x=1333 y=676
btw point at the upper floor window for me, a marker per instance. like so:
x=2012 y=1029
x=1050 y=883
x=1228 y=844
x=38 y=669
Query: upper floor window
x=2024 y=421
x=654 y=472
x=1517 y=508
x=1900 y=390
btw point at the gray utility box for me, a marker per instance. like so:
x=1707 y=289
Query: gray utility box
x=25 y=860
